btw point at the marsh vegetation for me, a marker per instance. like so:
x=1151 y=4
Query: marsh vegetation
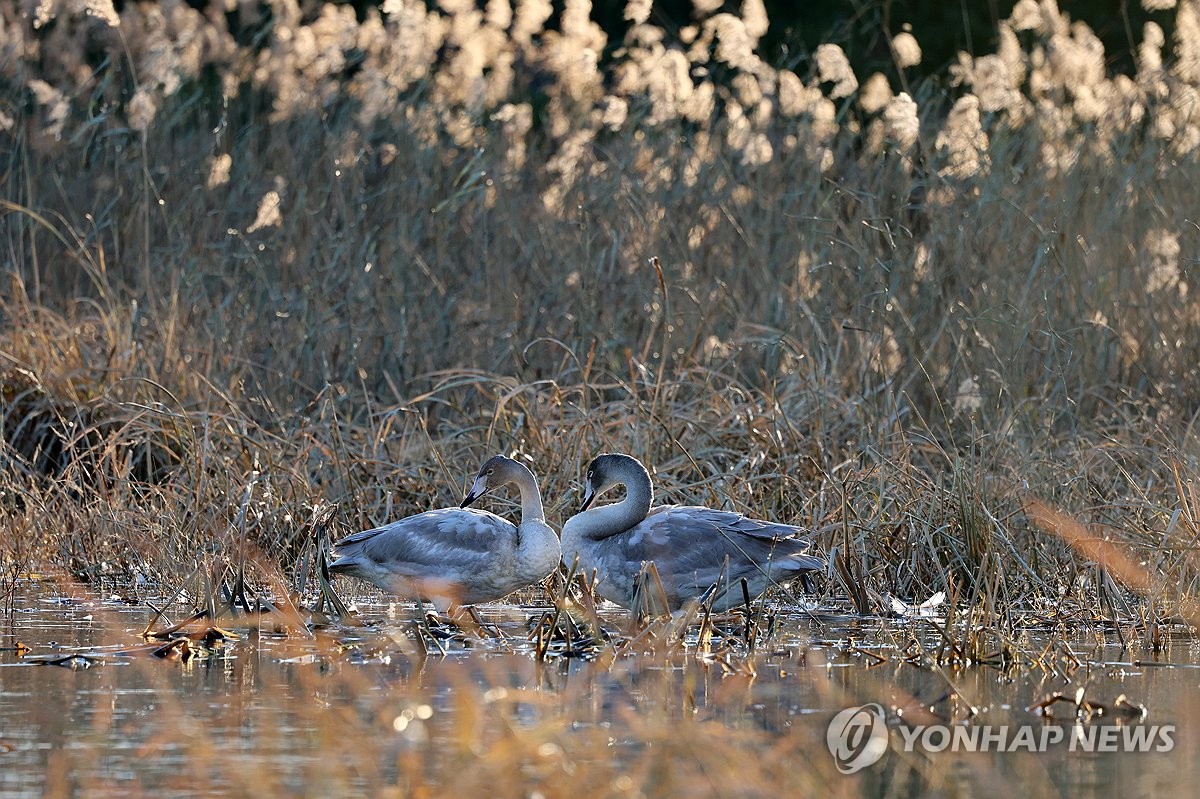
x=274 y=271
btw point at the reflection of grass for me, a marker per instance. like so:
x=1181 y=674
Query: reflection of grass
x=253 y=272
x=353 y=711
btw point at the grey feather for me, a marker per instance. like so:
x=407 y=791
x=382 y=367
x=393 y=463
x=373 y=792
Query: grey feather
x=457 y=555
x=692 y=547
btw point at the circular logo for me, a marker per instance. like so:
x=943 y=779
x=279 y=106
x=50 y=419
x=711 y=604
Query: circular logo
x=857 y=737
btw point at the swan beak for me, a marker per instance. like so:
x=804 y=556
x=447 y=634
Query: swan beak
x=477 y=491
x=588 y=496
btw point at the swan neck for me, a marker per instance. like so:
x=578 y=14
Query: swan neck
x=531 y=497
x=609 y=520
x=639 y=494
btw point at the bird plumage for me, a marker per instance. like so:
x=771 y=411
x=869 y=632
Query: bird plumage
x=693 y=548
x=457 y=556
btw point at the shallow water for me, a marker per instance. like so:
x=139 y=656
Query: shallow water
x=343 y=711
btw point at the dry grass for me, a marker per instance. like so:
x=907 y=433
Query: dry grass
x=257 y=270
x=353 y=711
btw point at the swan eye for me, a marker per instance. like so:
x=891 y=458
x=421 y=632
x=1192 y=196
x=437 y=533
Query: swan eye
x=489 y=472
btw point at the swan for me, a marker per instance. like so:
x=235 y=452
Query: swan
x=688 y=544
x=458 y=556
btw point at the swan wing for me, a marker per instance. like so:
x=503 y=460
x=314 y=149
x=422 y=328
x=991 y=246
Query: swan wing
x=698 y=521
x=448 y=537
x=690 y=546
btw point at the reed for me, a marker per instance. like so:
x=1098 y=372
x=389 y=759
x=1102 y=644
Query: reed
x=267 y=263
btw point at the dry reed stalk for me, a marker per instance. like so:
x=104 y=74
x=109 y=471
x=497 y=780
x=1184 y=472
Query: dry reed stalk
x=449 y=264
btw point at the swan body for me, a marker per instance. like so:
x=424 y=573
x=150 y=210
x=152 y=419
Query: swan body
x=458 y=556
x=688 y=544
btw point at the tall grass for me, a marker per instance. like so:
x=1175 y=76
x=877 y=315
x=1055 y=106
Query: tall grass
x=263 y=261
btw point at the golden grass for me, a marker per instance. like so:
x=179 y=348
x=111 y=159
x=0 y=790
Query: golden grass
x=354 y=711
x=261 y=267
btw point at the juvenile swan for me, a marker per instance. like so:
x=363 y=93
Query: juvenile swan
x=688 y=544
x=458 y=556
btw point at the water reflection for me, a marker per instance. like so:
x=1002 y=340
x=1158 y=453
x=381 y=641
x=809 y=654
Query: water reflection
x=356 y=711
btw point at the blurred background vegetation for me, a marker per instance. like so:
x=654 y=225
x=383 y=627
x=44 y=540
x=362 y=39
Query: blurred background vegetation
x=863 y=28
x=260 y=256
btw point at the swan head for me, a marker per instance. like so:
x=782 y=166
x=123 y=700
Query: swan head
x=608 y=471
x=496 y=472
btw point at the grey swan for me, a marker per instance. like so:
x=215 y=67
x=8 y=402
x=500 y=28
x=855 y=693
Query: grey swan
x=458 y=556
x=688 y=544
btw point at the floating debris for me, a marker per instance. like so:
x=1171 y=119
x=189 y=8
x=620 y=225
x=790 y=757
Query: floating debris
x=75 y=662
x=926 y=608
x=1089 y=710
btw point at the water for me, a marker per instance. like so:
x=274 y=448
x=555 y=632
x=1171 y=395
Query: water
x=344 y=711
